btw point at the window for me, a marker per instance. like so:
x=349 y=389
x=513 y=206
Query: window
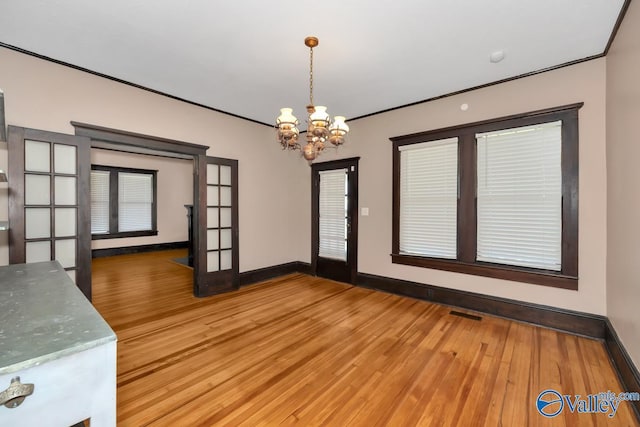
x=429 y=194
x=123 y=202
x=497 y=198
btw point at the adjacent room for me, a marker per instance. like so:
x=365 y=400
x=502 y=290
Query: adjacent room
x=252 y=213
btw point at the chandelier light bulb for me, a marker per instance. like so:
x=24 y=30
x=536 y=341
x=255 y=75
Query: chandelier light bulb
x=338 y=130
x=287 y=129
x=339 y=126
x=319 y=118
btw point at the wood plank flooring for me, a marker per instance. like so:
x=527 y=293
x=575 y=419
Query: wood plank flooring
x=307 y=351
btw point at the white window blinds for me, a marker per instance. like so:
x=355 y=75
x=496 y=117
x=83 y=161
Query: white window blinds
x=333 y=214
x=135 y=201
x=99 y=202
x=520 y=196
x=428 y=198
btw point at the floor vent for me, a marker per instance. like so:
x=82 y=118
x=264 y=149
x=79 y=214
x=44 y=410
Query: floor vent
x=465 y=315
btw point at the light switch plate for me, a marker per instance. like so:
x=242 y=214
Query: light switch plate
x=364 y=211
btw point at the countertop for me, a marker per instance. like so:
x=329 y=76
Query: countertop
x=44 y=316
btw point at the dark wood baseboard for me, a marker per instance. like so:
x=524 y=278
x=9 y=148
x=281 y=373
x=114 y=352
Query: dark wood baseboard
x=589 y=325
x=266 y=273
x=626 y=370
x=99 y=253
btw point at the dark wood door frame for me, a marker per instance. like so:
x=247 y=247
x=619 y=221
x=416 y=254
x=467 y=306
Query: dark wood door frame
x=118 y=140
x=352 y=245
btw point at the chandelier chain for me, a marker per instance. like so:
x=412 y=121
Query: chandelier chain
x=311 y=75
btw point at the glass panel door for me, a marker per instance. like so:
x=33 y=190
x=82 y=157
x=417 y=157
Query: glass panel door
x=218 y=254
x=334 y=217
x=49 y=211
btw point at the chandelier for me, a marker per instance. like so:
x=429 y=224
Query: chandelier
x=320 y=127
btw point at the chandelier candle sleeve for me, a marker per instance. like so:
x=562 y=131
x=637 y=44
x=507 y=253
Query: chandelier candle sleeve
x=320 y=127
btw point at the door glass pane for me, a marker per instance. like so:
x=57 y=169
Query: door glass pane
x=212 y=239
x=225 y=196
x=212 y=217
x=37 y=190
x=65 y=190
x=36 y=156
x=225 y=175
x=225 y=239
x=66 y=252
x=212 y=261
x=64 y=158
x=225 y=217
x=38 y=251
x=212 y=195
x=332 y=215
x=72 y=274
x=37 y=223
x=65 y=222
x=212 y=174
x=225 y=260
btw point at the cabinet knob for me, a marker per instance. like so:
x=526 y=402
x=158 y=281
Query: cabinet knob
x=16 y=393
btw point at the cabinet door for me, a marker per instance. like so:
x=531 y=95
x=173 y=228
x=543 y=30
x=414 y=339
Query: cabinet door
x=49 y=210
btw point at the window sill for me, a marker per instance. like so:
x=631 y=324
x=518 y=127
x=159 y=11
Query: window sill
x=516 y=274
x=124 y=234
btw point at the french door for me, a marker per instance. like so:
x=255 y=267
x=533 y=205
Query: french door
x=334 y=210
x=216 y=260
x=49 y=206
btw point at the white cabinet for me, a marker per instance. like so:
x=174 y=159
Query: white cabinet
x=53 y=338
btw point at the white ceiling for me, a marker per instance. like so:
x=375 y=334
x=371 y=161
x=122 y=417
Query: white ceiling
x=247 y=57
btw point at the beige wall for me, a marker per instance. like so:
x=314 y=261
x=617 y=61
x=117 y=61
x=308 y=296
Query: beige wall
x=623 y=179
x=274 y=185
x=369 y=140
x=43 y=95
x=175 y=189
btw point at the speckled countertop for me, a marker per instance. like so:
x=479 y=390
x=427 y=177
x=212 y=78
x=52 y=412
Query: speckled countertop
x=44 y=316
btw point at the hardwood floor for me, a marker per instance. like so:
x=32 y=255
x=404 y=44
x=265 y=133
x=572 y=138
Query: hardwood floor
x=308 y=351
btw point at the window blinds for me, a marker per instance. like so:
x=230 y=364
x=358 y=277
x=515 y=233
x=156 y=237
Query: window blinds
x=99 y=202
x=520 y=196
x=429 y=198
x=135 y=199
x=333 y=214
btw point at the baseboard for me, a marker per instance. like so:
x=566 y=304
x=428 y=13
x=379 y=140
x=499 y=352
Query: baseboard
x=266 y=273
x=626 y=370
x=99 y=253
x=575 y=322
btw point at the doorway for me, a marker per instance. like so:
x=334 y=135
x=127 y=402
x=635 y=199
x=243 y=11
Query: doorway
x=334 y=219
x=49 y=206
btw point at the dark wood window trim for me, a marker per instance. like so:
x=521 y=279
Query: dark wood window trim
x=567 y=278
x=113 y=203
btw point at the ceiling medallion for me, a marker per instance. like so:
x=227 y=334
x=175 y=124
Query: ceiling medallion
x=320 y=127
